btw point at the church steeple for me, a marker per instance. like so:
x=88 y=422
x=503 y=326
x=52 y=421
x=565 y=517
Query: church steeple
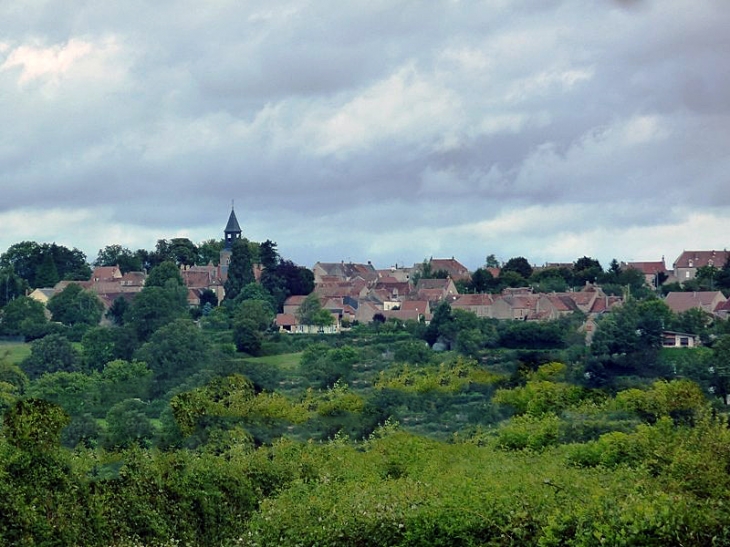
x=232 y=230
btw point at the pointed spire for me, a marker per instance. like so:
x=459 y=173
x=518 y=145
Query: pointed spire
x=232 y=230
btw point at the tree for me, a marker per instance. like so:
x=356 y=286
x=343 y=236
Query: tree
x=209 y=252
x=258 y=312
x=128 y=423
x=287 y=279
x=116 y=255
x=173 y=352
x=309 y=308
x=721 y=367
x=30 y=259
x=240 y=270
x=184 y=251
x=166 y=274
x=441 y=321
x=586 y=270
x=121 y=379
x=46 y=274
x=74 y=306
x=247 y=337
x=519 y=265
x=118 y=310
x=52 y=353
x=99 y=347
x=34 y=425
x=11 y=285
x=491 y=261
x=75 y=392
x=482 y=281
x=154 y=307
x=268 y=255
x=23 y=317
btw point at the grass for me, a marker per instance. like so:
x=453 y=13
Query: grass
x=284 y=361
x=15 y=351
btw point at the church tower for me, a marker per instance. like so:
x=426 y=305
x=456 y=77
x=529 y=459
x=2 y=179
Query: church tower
x=232 y=232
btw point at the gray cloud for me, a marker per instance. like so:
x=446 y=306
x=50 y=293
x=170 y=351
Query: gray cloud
x=381 y=130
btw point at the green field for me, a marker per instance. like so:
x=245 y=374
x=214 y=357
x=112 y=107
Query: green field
x=285 y=361
x=15 y=351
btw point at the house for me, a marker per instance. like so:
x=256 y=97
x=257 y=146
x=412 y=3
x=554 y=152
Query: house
x=672 y=339
x=686 y=265
x=652 y=271
x=722 y=310
x=106 y=273
x=456 y=270
x=289 y=323
x=706 y=301
x=400 y=274
x=515 y=307
x=343 y=271
x=479 y=304
x=42 y=295
x=421 y=307
x=435 y=290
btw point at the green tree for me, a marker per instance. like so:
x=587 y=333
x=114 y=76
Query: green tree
x=165 y=275
x=116 y=255
x=173 y=352
x=154 y=307
x=46 y=274
x=519 y=265
x=209 y=252
x=73 y=306
x=258 y=312
x=247 y=337
x=721 y=367
x=23 y=317
x=240 y=270
x=268 y=255
x=440 y=322
x=75 y=392
x=34 y=424
x=586 y=270
x=491 y=261
x=482 y=281
x=308 y=309
x=118 y=310
x=99 y=347
x=52 y=353
x=127 y=424
x=184 y=251
x=12 y=286
x=29 y=258
x=122 y=380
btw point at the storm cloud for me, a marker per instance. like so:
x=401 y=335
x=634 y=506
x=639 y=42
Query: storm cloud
x=384 y=131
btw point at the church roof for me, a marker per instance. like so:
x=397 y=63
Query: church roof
x=233 y=226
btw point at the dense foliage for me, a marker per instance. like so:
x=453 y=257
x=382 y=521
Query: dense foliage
x=162 y=430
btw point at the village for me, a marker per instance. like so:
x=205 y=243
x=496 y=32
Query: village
x=361 y=293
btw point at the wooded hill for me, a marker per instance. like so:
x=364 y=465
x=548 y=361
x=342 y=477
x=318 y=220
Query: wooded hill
x=159 y=430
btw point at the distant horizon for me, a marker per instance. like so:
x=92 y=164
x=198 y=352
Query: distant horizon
x=384 y=265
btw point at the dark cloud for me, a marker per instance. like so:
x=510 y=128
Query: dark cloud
x=381 y=130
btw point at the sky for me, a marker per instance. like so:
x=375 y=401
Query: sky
x=380 y=130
